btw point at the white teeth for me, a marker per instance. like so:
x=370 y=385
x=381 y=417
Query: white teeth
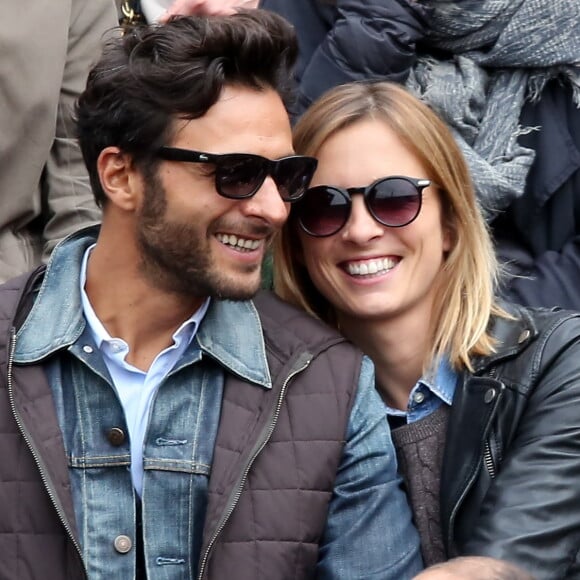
x=239 y=243
x=371 y=267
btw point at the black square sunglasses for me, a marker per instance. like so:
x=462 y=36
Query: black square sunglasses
x=393 y=201
x=240 y=175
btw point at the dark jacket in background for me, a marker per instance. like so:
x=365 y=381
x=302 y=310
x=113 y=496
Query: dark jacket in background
x=511 y=467
x=348 y=40
x=539 y=236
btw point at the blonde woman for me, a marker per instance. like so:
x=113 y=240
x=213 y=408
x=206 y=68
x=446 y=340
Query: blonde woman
x=388 y=245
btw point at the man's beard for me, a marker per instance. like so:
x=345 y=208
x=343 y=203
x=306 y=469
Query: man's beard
x=176 y=255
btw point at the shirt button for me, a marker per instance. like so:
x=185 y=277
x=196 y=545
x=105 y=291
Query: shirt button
x=88 y=349
x=524 y=335
x=123 y=544
x=116 y=436
x=418 y=397
x=117 y=347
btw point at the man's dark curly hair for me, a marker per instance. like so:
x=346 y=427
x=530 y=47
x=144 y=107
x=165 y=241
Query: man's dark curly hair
x=156 y=74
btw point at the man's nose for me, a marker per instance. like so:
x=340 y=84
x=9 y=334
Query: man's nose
x=267 y=204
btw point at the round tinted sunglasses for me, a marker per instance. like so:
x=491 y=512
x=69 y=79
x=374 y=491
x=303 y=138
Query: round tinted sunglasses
x=393 y=201
x=240 y=175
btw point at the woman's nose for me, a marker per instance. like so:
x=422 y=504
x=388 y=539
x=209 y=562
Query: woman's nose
x=361 y=225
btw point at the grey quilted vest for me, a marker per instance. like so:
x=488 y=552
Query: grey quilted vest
x=277 y=452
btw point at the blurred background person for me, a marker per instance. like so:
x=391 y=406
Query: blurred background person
x=506 y=77
x=339 y=40
x=47 y=47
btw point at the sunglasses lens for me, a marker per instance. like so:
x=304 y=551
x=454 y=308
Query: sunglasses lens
x=239 y=175
x=394 y=202
x=293 y=176
x=323 y=211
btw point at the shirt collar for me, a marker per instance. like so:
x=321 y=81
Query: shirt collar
x=56 y=319
x=231 y=332
x=443 y=382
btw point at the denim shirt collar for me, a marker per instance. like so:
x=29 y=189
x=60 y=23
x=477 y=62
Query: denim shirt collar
x=230 y=333
x=441 y=383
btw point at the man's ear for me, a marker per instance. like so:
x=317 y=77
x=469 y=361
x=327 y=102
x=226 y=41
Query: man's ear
x=120 y=181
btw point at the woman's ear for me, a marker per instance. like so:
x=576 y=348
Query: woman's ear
x=448 y=225
x=449 y=238
x=119 y=179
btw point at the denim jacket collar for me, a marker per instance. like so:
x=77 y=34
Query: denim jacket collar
x=230 y=333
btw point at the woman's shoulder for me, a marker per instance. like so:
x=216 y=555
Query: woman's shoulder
x=535 y=338
x=533 y=321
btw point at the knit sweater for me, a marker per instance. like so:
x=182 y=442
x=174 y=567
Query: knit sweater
x=420 y=447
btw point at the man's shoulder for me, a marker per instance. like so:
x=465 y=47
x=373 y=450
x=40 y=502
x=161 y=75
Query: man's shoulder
x=292 y=337
x=285 y=324
x=278 y=314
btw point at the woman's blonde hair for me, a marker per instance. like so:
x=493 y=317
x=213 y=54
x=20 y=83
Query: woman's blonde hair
x=464 y=298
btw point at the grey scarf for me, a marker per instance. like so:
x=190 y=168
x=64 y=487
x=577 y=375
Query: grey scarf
x=502 y=53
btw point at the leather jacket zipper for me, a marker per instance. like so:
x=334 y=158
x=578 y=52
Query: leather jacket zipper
x=488 y=460
x=301 y=364
x=487 y=455
x=34 y=451
x=490 y=466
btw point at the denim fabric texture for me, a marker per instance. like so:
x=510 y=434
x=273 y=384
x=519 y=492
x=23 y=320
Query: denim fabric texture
x=429 y=394
x=369 y=532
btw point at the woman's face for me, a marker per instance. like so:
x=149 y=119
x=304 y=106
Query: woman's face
x=405 y=261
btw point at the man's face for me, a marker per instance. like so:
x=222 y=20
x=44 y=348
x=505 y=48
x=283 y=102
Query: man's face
x=195 y=242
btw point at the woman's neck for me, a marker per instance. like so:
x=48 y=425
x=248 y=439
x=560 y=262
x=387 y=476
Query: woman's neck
x=397 y=349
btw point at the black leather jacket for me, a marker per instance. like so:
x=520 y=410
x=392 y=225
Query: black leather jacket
x=510 y=484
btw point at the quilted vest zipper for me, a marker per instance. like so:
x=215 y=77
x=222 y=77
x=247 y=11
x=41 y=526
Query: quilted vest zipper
x=33 y=450
x=301 y=364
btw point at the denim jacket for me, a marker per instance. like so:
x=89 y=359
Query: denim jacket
x=369 y=533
